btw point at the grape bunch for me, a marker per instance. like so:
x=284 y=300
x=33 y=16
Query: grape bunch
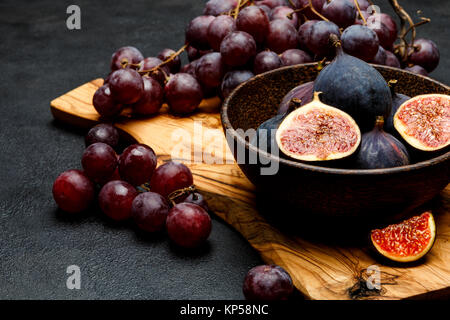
x=125 y=180
x=233 y=41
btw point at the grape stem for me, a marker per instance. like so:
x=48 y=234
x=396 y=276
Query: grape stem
x=310 y=5
x=173 y=56
x=359 y=12
x=236 y=12
x=178 y=193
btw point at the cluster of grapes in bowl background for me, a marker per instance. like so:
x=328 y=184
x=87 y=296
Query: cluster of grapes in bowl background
x=236 y=39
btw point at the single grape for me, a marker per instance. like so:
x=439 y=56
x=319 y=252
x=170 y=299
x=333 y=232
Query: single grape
x=217 y=7
x=380 y=57
x=281 y=36
x=392 y=60
x=188 y=225
x=195 y=54
x=190 y=68
x=183 y=93
x=198 y=199
x=105 y=104
x=210 y=70
x=304 y=33
x=319 y=38
x=126 y=86
x=103 y=132
x=116 y=198
x=232 y=79
x=254 y=21
x=170 y=177
x=385 y=28
x=159 y=74
x=175 y=64
x=196 y=32
x=267 y=283
x=73 y=191
x=265 y=8
x=266 y=61
x=125 y=54
x=137 y=164
x=282 y=12
x=271 y=3
x=363 y=5
x=149 y=211
x=425 y=54
x=99 y=162
x=238 y=48
x=295 y=56
x=417 y=70
x=152 y=99
x=341 y=12
x=360 y=41
x=219 y=28
x=317 y=5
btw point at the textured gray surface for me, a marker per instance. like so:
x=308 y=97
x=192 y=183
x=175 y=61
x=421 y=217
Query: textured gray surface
x=41 y=60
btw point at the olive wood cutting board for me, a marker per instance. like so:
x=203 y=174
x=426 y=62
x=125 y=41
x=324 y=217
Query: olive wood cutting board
x=319 y=271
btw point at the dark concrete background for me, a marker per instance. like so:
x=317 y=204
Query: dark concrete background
x=40 y=60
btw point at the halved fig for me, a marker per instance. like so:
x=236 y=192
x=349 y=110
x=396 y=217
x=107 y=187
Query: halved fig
x=318 y=132
x=407 y=241
x=424 y=121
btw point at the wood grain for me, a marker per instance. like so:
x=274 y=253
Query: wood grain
x=319 y=271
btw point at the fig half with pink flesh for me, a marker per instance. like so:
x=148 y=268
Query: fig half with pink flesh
x=318 y=132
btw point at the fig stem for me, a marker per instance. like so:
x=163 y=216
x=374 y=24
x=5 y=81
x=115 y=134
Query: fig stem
x=379 y=122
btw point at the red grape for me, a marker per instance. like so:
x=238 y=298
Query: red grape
x=295 y=56
x=392 y=60
x=232 y=79
x=159 y=74
x=73 y=191
x=196 y=32
x=104 y=103
x=127 y=54
x=317 y=4
x=267 y=283
x=254 y=21
x=210 y=70
x=217 y=7
x=341 y=12
x=198 y=199
x=137 y=164
x=149 y=211
x=304 y=33
x=183 y=93
x=281 y=36
x=175 y=64
x=271 y=3
x=363 y=5
x=417 y=70
x=380 y=57
x=190 y=68
x=188 y=225
x=102 y=132
x=425 y=54
x=152 y=99
x=219 y=28
x=265 y=8
x=319 y=38
x=385 y=28
x=360 y=41
x=99 y=162
x=116 y=198
x=126 y=86
x=266 y=61
x=194 y=54
x=170 y=177
x=238 y=48
x=282 y=12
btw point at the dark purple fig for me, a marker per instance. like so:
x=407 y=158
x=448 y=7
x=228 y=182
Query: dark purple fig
x=362 y=93
x=397 y=101
x=264 y=138
x=303 y=93
x=381 y=150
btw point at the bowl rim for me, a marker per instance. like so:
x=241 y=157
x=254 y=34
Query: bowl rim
x=226 y=124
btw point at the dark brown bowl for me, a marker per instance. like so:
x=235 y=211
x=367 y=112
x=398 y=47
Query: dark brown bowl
x=329 y=191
